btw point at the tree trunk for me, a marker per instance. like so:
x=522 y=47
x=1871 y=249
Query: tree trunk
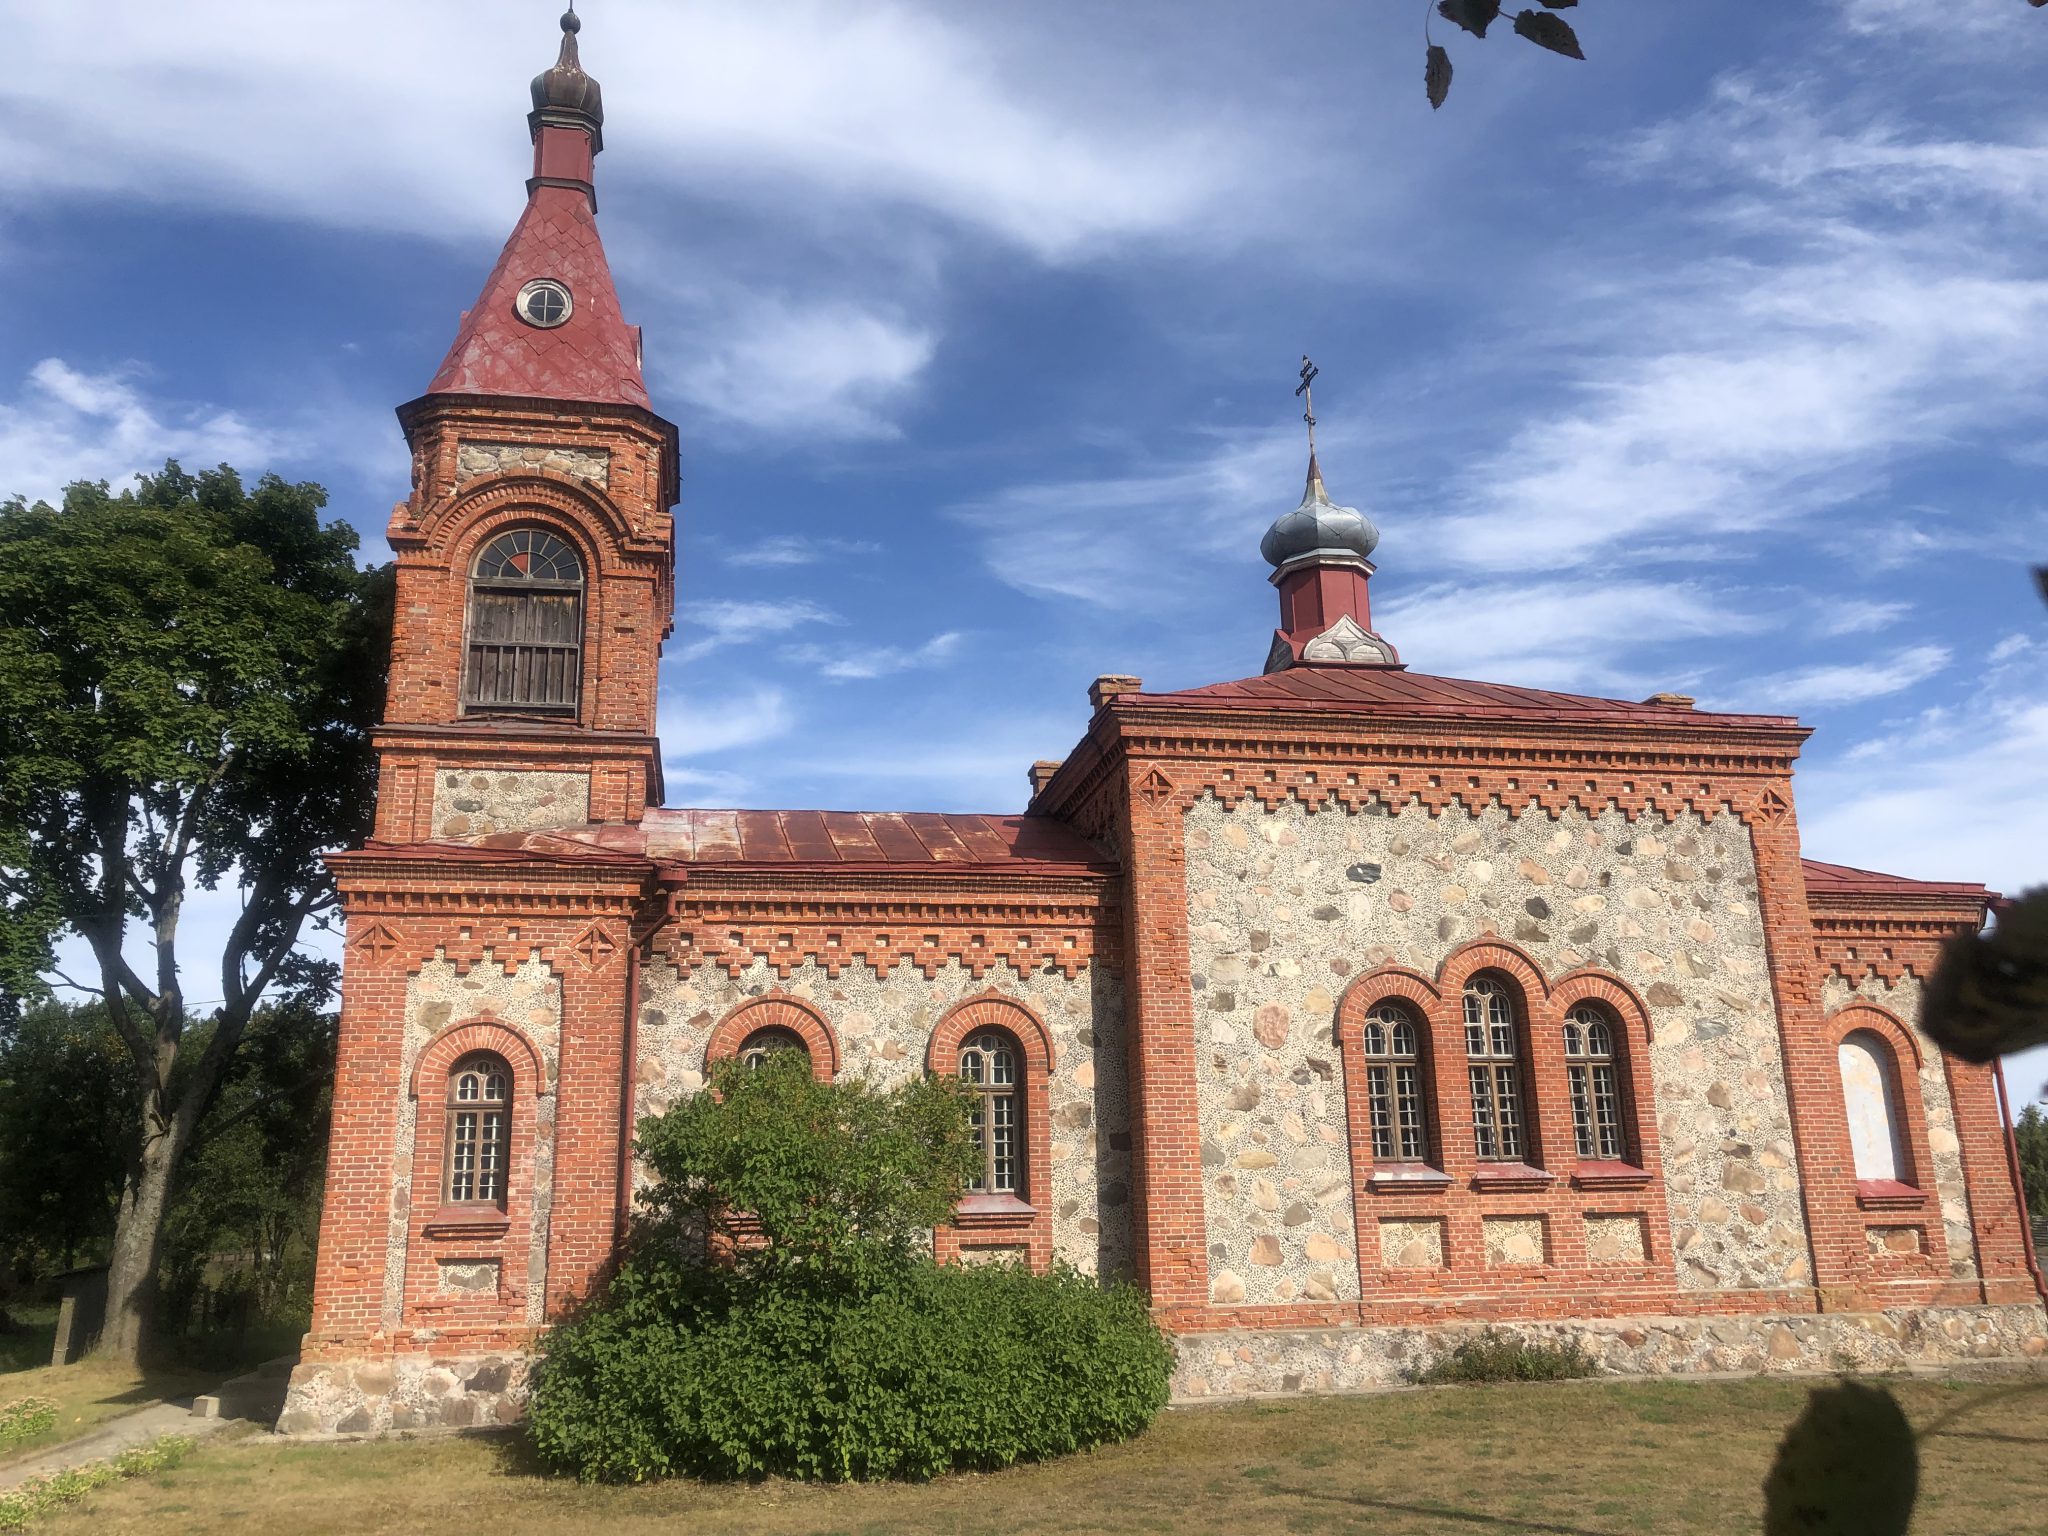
x=138 y=1246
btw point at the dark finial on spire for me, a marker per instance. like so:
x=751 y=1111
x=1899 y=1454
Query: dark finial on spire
x=565 y=93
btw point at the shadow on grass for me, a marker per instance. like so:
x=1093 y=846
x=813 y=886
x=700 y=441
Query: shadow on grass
x=1472 y=1517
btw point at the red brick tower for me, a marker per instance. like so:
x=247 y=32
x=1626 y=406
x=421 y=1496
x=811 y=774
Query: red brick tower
x=536 y=552
x=535 y=585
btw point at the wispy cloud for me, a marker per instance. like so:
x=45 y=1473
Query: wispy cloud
x=1858 y=616
x=728 y=622
x=1848 y=682
x=699 y=725
x=860 y=662
x=797 y=549
x=67 y=423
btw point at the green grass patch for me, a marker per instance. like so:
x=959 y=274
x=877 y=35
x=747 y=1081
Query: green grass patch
x=39 y=1496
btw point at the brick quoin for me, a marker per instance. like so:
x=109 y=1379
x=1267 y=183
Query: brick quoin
x=530 y=858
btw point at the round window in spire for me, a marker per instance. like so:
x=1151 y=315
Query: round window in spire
x=544 y=302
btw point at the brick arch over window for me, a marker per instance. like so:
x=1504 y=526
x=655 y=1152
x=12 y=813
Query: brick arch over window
x=1004 y=1223
x=1908 y=1105
x=462 y=524
x=529 y=1069
x=1476 y=955
x=778 y=1010
x=1633 y=1031
x=990 y=1010
x=1420 y=999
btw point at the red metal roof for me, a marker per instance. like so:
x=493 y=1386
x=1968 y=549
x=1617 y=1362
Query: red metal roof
x=592 y=356
x=792 y=839
x=861 y=837
x=1383 y=690
x=1824 y=880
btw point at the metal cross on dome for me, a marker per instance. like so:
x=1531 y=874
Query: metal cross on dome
x=1307 y=395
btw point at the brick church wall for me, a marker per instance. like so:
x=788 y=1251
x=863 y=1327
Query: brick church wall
x=883 y=1024
x=1901 y=998
x=1288 y=908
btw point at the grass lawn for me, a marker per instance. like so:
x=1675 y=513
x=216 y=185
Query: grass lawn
x=91 y=1392
x=1575 y=1458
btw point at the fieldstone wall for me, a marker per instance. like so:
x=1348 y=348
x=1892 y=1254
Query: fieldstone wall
x=472 y=804
x=405 y=1392
x=1250 y=1364
x=1287 y=905
x=1902 y=998
x=475 y=460
x=884 y=1023
x=438 y=998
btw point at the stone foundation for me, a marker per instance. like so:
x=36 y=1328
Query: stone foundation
x=404 y=1392
x=1272 y=1362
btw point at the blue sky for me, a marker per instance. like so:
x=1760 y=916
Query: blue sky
x=1716 y=363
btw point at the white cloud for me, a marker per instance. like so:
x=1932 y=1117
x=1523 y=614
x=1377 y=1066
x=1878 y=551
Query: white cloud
x=1560 y=634
x=802 y=372
x=869 y=661
x=729 y=621
x=696 y=725
x=792 y=549
x=1858 y=616
x=1849 y=682
x=68 y=424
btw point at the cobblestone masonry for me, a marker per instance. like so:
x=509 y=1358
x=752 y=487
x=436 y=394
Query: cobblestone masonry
x=1285 y=905
x=439 y=997
x=472 y=804
x=1903 y=999
x=1356 y=1359
x=405 y=1392
x=884 y=1024
x=1513 y=1240
x=475 y=460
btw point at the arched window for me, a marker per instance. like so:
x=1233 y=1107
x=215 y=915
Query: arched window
x=1596 y=1090
x=1494 y=1069
x=525 y=625
x=1870 y=1092
x=479 y=1131
x=770 y=1038
x=1393 y=1085
x=988 y=1061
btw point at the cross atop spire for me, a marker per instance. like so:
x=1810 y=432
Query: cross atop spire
x=1305 y=392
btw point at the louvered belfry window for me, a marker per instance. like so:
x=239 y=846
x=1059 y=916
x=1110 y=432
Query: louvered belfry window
x=525 y=626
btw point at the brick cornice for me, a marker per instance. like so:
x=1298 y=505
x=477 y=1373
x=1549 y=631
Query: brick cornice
x=923 y=919
x=1351 y=758
x=1889 y=935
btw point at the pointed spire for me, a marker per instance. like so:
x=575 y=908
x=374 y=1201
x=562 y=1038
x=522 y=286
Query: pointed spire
x=548 y=323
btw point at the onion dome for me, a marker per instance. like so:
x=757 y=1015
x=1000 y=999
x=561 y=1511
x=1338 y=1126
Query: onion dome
x=1319 y=527
x=565 y=90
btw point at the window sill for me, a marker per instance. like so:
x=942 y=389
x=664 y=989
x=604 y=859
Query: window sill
x=1511 y=1176
x=1407 y=1179
x=1889 y=1195
x=1607 y=1173
x=468 y=1221
x=985 y=1212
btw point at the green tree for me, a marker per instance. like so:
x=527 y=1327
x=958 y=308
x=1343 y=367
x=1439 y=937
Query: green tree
x=2031 y=1135
x=67 y=1113
x=188 y=673
x=248 y=1200
x=779 y=1310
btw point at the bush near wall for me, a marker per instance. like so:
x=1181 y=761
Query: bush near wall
x=814 y=1336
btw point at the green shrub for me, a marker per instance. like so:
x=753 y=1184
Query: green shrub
x=25 y=1418
x=1495 y=1356
x=39 y=1495
x=830 y=1345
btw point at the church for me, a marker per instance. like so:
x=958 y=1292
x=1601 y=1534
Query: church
x=1342 y=1007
